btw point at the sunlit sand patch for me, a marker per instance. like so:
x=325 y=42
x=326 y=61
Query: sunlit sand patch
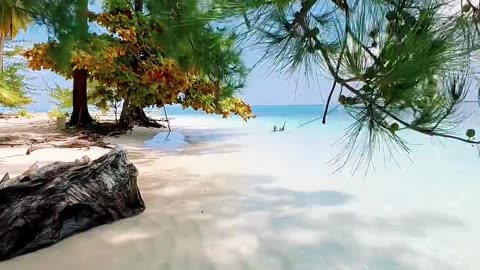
x=128 y=236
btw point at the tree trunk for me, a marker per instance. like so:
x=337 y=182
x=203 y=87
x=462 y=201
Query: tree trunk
x=2 y=47
x=48 y=204
x=139 y=5
x=141 y=119
x=80 y=115
x=125 y=121
x=133 y=115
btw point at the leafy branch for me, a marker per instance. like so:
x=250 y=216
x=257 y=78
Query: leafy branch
x=415 y=66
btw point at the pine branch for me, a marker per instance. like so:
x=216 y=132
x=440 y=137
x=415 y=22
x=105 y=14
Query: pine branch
x=429 y=132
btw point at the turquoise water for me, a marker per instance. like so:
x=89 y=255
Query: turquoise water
x=313 y=141
x=303 y=119
x=292 y=115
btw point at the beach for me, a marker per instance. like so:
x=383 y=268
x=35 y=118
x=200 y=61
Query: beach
x=221 y=194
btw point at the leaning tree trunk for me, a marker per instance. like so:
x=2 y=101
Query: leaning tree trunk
x=133 y=115
x=139 y=117
x=80 y=115
x=48 y=204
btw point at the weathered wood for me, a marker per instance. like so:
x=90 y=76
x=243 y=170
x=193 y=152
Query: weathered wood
x=74 y=143
x=47 y=204
x=84 y=159
x=5 y=177
x=31 y=169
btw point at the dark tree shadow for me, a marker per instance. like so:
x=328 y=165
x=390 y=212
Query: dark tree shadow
x=271 y=199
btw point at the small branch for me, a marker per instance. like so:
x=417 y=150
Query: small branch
x=472 y=5
x=339 y=62
x=444 y=116
x=311 y=121
x=406 y=124
x=375 y=58
x=166 y=117
x=300 y=21
x=38 y=147
x=325 y=112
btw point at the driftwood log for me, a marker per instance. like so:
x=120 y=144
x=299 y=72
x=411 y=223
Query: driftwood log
x=45 y=205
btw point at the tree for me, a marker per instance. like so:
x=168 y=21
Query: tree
x=13 y=89
x=395 y=65
x=145 y=76
x=67 y=32
x=80 y=115
x=131 y=62
x=12 y=19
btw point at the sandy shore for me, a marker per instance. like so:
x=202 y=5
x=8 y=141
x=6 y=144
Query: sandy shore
x=232 y=200
x=171 y=225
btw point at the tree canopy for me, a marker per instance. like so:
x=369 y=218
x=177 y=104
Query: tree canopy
x=140 y=59
x=13 y=17
x=13 y=88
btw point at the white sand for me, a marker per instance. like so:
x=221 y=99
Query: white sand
x=243 y=202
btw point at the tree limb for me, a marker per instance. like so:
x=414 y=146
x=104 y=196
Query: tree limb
x=429 y=132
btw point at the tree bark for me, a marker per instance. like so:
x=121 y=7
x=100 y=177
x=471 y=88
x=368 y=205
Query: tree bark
x=45 y=205
x=133 y=115
x=138 y=5
x=80 y=115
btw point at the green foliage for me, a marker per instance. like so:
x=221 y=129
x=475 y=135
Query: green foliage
x=168 y=54
x=15 y=52
x=13 y=88
x=61 y=97
x=470 y=133
x=214 y=52
x=13 y=17
x=103 y=97
x=399 y=63
x=24 y=113
x=55 y=112
x=67 y=21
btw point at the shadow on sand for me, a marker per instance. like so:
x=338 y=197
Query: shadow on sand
x=195 y=142
x=229 y=221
